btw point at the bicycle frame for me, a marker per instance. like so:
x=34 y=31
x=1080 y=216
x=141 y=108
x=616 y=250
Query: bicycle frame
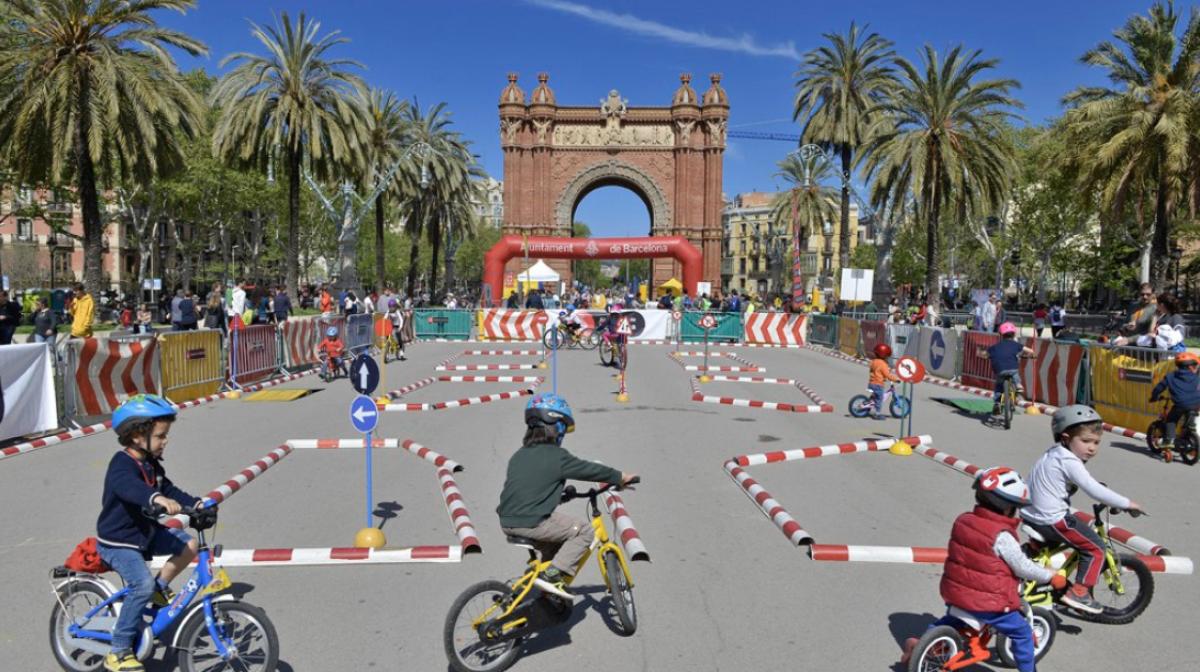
x=1043 y=596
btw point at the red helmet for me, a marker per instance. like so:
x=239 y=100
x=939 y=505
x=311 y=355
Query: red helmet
x=883 y=351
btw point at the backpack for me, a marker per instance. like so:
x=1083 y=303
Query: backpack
x=1055 y=314
x=86 y=558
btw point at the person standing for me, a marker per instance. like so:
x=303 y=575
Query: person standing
x=1039 y=319
x=176 y=313
x=283 y=305
x=83 y=311
x=237 y=305
x=1058 y=318
x=326 y=302
x=214 y=310
x=187 y=312
x=45 y=322
x=988 y=314
x=10 y=317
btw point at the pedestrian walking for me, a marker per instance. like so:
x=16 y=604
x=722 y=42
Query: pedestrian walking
x=45 y=322
x=188 y=320
x=83 y=312
x=283 y=305
x=1058 y=318
x=10 y=317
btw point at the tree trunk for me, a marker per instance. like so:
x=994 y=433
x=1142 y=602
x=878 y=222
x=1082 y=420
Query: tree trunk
x=292 y=263
x=451 y=251
x=1160 y=258
x=436 y=232
x=93 y=227
x=932 y=266
x=883 y=267
x=844 y=233
x=379 y=257
x=413 y=250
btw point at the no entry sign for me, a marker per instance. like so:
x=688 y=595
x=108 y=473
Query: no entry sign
x=910 y=370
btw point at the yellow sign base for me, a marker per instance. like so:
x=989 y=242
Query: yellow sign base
x=370 y=537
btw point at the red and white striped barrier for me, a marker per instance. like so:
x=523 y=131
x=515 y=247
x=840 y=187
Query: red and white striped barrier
x=36 y=444
x=867 y=446
x=700 y=353
x=500 y=324
x=333 y=444
x=457 y=403
x=771 y=508
x=411 y=387
x=479 y=353
x=487 y=367
x=430 y=455
x=936 y=555
x=460 y=519
x=958 y=464
x=489 y=379
x=296 y=557
x=300 y=339
x=752 y=379
x=108 y=372
x=451 y=358
x=631 y=541
x=237 y=482
x=774 y=329
x=727 y=369
x=770 y=345
x=818 y=407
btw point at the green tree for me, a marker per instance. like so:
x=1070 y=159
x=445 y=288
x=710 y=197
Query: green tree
x=839 y=89
x=469 y=258
x=940 y=140
x=809 y=203
x=864 y=256
x=1139 y=139
x=383 y=140
x=93 y=94
x=296 y=100
x=586 y=271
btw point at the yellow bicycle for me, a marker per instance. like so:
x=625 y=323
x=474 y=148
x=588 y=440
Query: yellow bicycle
x=489 y=619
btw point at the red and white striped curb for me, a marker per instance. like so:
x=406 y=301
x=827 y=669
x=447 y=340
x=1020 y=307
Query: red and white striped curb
x=295 y=557
x=936 y=555
x=771 y=508
x=411 y=446
x=724 y=369
x=396 y=394
x=451 y=358
x=35 y=444
x=479 y=353
x=753 y=379
x=867 y=446
x=457 y=403
x=237 y=482
x=488 y=367
x=748 y=366
x=631 y=541
x=700 y=353
x=460 y=519
x=489 y=379
x=651 y=341
x=812 y=394
x=769 y=405
x=430 y=455
x=958 y=464
x=792 y=346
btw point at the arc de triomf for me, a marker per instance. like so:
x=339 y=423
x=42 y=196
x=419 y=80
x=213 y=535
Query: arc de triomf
x=671 y=157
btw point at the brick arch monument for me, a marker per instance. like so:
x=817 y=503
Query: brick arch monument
x=669 y=156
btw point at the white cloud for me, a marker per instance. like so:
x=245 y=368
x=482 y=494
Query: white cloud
x=745 y=44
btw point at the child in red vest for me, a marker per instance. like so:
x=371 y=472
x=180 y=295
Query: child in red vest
x=331 y=349
x=985 y=564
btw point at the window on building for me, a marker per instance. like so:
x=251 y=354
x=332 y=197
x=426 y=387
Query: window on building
x=742 y=264
x=742 y=246
x=62 y=264
x=24 y=229
x=756 y=264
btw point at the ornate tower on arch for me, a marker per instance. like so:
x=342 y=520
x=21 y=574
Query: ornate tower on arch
x=669 y=156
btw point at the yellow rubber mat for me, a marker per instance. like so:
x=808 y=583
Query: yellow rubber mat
x=277 y=395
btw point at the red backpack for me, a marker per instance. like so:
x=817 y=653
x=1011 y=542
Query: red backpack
x=86 y=559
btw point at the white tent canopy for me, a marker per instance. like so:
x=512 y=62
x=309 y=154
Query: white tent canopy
x=539 y=272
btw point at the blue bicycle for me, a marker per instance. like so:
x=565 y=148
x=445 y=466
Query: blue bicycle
x=207 y=631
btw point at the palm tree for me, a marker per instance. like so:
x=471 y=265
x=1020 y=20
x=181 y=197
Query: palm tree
x=940 y=138
x=384 y=128
x=839 y=87
x=809 y=203
x=93 y=94
x=296 y=100
x=1142 y=129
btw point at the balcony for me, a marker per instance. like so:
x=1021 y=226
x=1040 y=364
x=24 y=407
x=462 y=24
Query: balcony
x=59 y=209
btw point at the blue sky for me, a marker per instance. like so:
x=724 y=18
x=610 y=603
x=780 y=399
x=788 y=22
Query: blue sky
x=459 y=51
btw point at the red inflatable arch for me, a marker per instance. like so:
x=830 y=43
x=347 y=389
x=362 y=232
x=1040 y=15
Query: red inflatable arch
x=545 y=247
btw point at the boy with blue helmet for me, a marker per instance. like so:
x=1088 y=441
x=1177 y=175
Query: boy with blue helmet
x=534 y=483
x=126 y=537
x=331 y=349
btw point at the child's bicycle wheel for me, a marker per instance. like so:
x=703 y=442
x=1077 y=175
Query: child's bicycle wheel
x=74 y=601
x=465 y=650
x=860 y=406
x=1188 y=447
x=936 y=647
x=900 y=406
x=1044 y=625
x=1009 y=403
x=1154 y=436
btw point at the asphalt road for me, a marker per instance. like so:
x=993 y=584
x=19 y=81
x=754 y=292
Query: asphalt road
x=725 y=590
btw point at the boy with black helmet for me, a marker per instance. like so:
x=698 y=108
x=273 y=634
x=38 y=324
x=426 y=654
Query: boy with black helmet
x=1077 y=431
x=126 y=537
x=984 y=563
x=534 y=483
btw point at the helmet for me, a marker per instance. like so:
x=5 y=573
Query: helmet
x=392 y=303
x=883 y=351
x=1186 y=358
x=1008 y=328
x=562 y=313
x=550 y=409
x=142 y=407
x=1069 y=416
x=331 y=332
x=1002 y=487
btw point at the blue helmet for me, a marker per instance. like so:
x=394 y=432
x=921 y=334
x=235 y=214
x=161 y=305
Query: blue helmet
x=142 y=407
x=550 y=409
x=331 y=332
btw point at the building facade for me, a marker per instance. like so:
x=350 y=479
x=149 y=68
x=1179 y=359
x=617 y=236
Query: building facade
x=757 y=251
x=489 y=204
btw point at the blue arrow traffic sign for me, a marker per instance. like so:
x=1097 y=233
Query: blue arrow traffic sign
x=364 y=374
x=937 y=349
x=364 y=415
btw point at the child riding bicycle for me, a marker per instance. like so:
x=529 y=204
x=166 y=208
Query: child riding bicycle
x=879 y=373
x=1005 y=359
x=1077 y=431
x=331 y=349
x=534 y=483
x=571 y=319
x=1183 y=384
x=126 y=537
x=985 y=561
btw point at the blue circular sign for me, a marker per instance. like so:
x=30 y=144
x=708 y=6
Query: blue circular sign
x=937 y=350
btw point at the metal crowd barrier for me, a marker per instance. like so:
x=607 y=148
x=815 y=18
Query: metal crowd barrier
x=849 y=336
x=253 y=354
x=454 y=325
x=729 y=327
x=193 y=364
x=1122 y=378
x=358 y=333
x=823 y=329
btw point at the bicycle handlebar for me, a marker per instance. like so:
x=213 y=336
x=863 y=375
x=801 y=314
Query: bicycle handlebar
x=571 y=492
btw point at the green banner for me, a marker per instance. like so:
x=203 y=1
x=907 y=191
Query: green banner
x=454 y=325
x=728 y=329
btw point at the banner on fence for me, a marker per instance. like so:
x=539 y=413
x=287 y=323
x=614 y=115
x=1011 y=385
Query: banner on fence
x=300 y=338
x=252 y=355
x=848 y=336
x=823 y=329
x=938 y=351
x=106 y=372
x=192 y=364
x=874 y=332
x=27 y=401
x=501 y=324
x=1121 y=382
x=650 y=324
x=728 y=330
x=1052 y=375
x=774 y=328
x=440 y=323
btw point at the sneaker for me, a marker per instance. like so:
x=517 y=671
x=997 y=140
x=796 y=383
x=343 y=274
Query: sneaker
x=162 y=597
x=1080 y=598
x=996 y=409
x=1166 y=445
x=554 y=581
x=403 y=358
x=125 y=663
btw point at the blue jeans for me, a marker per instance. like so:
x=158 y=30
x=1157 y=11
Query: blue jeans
x=1012 y=625
x=877 y=397
x=1015 y=374
x=130 y=564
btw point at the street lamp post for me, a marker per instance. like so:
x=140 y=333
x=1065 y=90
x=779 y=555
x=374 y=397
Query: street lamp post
x=1176 y=255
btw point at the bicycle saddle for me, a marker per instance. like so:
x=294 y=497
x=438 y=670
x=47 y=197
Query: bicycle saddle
x=966 y=617
x=524 y=542
x=1032 y=533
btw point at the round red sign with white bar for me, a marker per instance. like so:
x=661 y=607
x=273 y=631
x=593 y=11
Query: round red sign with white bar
x=910 y=370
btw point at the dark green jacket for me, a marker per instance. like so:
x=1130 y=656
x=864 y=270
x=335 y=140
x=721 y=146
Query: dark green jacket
x=535 y=480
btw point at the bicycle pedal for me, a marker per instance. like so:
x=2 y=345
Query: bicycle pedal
x=547 y=587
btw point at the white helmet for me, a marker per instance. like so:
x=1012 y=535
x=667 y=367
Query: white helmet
x=1069 y=416
x=1002 y=487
